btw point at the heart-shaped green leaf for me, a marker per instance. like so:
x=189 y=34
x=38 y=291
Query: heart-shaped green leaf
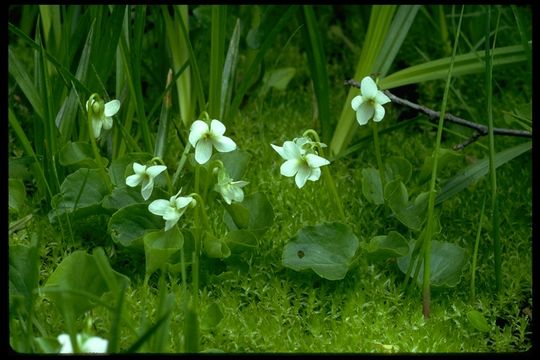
x=327 y=249
x=397 y=168
x=128 y=225
x=77 y=281
x=214 y=247
x=478 y=321
x=372 y=186
x=255 y=214
x=411 y=215
x=447 y=262
x=159 y=246
x=235 y=162
x=387 y=246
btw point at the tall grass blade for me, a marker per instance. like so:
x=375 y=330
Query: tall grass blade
x=217 y=54
x=317 y=68
x=426 y=285
x=229 y=72
x=378 y=28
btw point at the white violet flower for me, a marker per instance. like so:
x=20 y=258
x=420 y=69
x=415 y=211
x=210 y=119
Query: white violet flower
x=203 y=138
x=370 y=103
x=171 y=210
x=229 y=189
x=86 y=343
x=101 y=114
x=146 y=175
x=301 y=161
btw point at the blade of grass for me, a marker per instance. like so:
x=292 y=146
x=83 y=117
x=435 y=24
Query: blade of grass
x=317 y=68
x=268 y=41
x=217 y=49
x=229 y=72
x=491 y=137
x=378 y=28
x=161 y=137
x=464 y=64
x=426 y=290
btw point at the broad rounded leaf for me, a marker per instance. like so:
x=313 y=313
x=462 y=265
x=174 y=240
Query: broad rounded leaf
x=372 y=186
x=447 y=262
x=17 y=194
x=478 y=321
x=81 y=193
x=78 y=154
x=279 y=78
x=211 y=317
x=387 y=246
x=128 y=225
x=327 y=249
x=235 y=162
x=397 y=168
x=159 y=246
x=74 y=278
x=255 y=214
x=215 y=248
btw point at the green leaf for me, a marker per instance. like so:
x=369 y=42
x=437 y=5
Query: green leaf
x=476 y=171
x=469 y=63
x=159 y=246
x=77 y=282
x=211 y=317
x=411 y=215
x=397 y=168
x=446 y=156
x=229 y=71
x=80 y=193
x=478 y=321
x=255 y=214
x=387 y=246
x=447 y=262
x=372 y=186
x=23 y=272
x=17 y=194
x=78 y=154
x=236 y=162
x=123 y=196
x=240 y=241
x=277 y=79
x=214 y=247
x=327 y=249
x=128 y=225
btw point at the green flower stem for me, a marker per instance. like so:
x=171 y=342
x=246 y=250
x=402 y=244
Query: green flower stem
x=475 y=252
x=329 y=181
x=96 y=153
x=169 y=183
x=181 y=163
x=378 y=152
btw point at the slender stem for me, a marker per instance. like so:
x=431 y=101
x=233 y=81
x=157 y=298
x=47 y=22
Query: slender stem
x=328 y=179
x=475 y=252
x=181 y=163
x=96 y=151
x=378 y=152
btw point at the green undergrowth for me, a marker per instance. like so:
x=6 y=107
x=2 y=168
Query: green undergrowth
x=268 y=308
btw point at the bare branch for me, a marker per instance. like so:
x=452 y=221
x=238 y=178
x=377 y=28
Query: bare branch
x=481 y=130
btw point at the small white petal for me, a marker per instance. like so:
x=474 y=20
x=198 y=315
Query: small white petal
x=303 y=174
x=133 y=180
x=379 y=113
x=290 y=167
x=381 y=98
x=139 y=168
x=203 y=151
x=356 y=102
x=159 y=207
x=107 y=122
x=65 y=342
x=237 y=194
x=170 y=223
x=96 y=127
x=111 y=108
x=95 y=345
x=182 y=202
x=240 y=183
x=291 y=150
x=217 y=127
x=223 y=144
x=198 y=130
x=88 y=104
x=155 y=170
x=364 y=113
x=315 y=161
x=315 y=174
x=279 y=150
x=147 y=187
x=172 y=214
x=369 y=88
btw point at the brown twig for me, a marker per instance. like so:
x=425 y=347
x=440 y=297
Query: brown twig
x=480 y=130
